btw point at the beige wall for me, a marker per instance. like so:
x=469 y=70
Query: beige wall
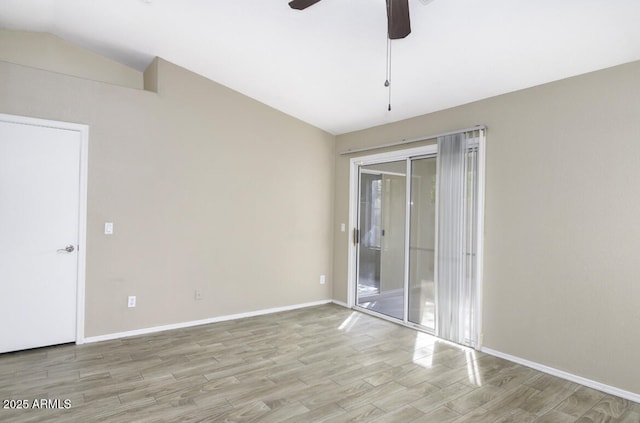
x=48 y=52
x=207 y=189
x=562 y=232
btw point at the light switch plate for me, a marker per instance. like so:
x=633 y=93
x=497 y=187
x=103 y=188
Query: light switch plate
x=108 y=228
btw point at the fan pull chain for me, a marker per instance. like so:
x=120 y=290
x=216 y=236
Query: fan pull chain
x=387 y=82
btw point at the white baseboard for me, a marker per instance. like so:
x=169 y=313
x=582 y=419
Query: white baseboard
x=340 y=303
x=145 y=331
x=631 y=396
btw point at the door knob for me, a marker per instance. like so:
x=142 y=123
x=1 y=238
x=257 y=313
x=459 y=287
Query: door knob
x=68 y=249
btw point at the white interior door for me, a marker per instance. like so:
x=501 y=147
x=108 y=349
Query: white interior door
x=39 y=227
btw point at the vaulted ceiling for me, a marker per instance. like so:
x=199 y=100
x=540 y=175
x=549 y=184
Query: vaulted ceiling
x=326 y=65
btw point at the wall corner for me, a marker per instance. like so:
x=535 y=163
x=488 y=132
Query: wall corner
x=150 y=76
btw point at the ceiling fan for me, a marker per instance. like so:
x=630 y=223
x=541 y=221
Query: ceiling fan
x=398 y=25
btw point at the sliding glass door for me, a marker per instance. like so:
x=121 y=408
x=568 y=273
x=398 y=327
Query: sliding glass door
x=382 y=259
x=417 y=236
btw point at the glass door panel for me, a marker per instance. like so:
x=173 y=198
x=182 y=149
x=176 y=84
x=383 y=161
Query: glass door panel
x=381 y=250
x=370 y=216
x=422 y=299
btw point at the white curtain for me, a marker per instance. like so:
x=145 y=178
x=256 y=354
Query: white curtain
x=456 y=278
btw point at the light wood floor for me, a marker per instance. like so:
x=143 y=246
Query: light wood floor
x=320 y=364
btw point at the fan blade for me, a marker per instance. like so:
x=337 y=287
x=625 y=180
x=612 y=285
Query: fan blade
x=302 y=4
x=399 y=25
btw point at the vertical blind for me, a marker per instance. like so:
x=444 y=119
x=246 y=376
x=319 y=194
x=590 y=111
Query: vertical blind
x=457 y=246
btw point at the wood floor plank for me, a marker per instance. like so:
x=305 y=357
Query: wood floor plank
x=369 y=396
x=518 y=416
x=475 y=399
x=615 y=407
x=364 y=414
x=406 y=413
x=405 y=396
x=581 y=401
x=441 y=415
x=555 y=416
x=440 y=397
x=318 y=415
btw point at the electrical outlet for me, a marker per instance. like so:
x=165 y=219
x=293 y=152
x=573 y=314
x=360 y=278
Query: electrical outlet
x=197 y=294
x=323 y=279
x=132 y=301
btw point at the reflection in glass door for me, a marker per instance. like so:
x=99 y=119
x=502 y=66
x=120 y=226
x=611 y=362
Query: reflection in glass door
x=381 y=247
x=422 y=241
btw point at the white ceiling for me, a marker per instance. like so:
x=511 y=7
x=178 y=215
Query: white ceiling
x=326 y=65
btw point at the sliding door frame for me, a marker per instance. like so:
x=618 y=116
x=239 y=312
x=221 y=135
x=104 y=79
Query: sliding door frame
x=406 y=155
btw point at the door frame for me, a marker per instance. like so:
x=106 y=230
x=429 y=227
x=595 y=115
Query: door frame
x=83 y=130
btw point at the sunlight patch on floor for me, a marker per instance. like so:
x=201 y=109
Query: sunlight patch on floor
x=425 y=354
x=472 y=368
x=349 y=322
x=423 y=349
